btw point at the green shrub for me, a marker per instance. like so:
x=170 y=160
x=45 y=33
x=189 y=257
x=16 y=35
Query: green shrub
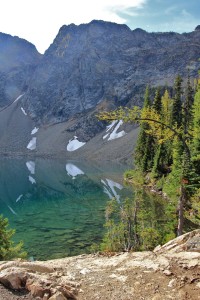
x=135 y=176
x=150 y=238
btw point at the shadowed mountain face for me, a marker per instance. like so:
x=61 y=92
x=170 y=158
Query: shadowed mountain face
x=18 y=59
x=90 y=67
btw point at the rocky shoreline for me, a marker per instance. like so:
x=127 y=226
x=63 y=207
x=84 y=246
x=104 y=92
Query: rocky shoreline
x=171 y=271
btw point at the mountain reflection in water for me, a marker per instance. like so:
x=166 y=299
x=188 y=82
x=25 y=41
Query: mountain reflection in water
x=57 y=207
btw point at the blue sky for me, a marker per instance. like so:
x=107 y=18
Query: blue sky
x=165 y=15
x=38 y=21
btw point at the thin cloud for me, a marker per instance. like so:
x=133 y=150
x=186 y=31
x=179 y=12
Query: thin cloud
x=170 y=10
x=122 y=6
x=38 y=21
x=185 y=13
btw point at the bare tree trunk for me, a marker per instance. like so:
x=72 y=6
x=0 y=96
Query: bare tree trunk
x=136 y=240
x=181 y=210
x=129 y=246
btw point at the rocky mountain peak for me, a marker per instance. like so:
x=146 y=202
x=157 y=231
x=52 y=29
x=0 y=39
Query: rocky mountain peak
x=108 y=25
x=197 y=28
x=14 y=51
x=89 y=63
x=139 y=31
x=18 y=59
x=77 y=35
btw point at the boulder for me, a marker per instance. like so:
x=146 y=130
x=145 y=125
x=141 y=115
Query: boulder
x=13 y=278
x=36 y=289
x=43 y=285
x=187 y=242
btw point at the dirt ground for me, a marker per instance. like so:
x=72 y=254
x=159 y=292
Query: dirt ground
x=6 y=294
x=142 y=285
x=127 y=276
x=171 y=271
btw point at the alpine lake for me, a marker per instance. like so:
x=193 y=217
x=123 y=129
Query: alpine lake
x=57 y=207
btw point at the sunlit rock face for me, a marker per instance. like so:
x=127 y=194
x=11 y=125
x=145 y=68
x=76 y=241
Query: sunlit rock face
x=91 y=63
x=100 y=61
x=18 y=59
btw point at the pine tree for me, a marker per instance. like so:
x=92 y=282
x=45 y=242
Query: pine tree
x=7 y=248
x=196 y=131
x=144 y=150
x=165 y=158
x=177 y=103
x=159 y=148
x=167 y=108
x=187 y=108
x=159 y=164
x=157 y=101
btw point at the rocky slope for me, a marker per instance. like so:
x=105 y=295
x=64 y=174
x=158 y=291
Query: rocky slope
x=169 y=272
x=88 y=68
x=18 y=132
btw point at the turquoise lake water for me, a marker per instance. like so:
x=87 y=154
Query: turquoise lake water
x=58 y=207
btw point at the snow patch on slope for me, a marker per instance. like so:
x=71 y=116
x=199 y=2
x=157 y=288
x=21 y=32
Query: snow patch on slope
x=23 y=110
x=112 y=131
x=18 y=98
x=115 y=135
x=105 y=136
x=32 y=144
x=109 y=127
x=35 y=130
x=74 y=144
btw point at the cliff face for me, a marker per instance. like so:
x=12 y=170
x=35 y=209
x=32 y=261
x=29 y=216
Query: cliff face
x=18 y=59
x=93 y=62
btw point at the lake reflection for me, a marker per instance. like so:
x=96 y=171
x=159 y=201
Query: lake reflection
x=57 y=207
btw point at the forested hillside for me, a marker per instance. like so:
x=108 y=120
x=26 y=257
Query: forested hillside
x=167 y=154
